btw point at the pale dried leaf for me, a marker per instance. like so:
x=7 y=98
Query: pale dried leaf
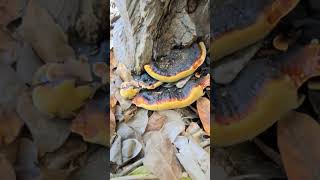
x=48 y=134
x=60 y=159
x=160 y=157
x=156 y=121
x=139 y=121
x=46 y=37
x=115 y=151
x=125 y=131
x=130 y=149
x=10 y=126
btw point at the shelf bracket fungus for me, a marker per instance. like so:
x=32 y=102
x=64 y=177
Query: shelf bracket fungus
x=131 y=88
x=178 y=64
x=237 y=24
x=172 y=98
x=262 y=93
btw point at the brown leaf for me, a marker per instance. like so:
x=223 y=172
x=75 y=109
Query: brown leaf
x=155 y=122
x=113 y=102
x=100 y=69
x=94 y=168
x=160 y=157
x=91 y=124
x=10 y=126
x=27 y=159
x=27 y=63
x=298 y=140
x=66 y=154
x=48 y=134
x=6 y=169
x=8 y=47
x=9 y=11
x=46 y=37
x=203 y=107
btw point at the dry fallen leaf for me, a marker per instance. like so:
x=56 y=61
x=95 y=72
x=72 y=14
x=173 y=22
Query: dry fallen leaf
x=160 y=157
x=91 y=124
x=125 y=131
x=6 y=169
x=60 y=164
x=47 y=39
x=195 y=160
x=48 y=134
x=62 y=157
x=130 y=149
x=27 y=64
x=174 y=124
x=112 y=124
x=8 y=47
x=9 y=11
x=10 y=87
x=49 y=98
x=115 y=151
x=10 y=126
x=139 y=121
x=27 y=159
x=155 y=122
x=94 y=168
x=298 y=140
x=203 y=107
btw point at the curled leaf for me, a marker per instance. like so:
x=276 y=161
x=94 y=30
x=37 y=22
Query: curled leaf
x=203 y=107
x=298 y=140
x=91 y=124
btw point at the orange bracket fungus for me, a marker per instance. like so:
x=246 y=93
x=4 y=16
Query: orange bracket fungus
x=131 y=88
x=237 y=24
x=178 y=64
x=264 y=92
x=172 y=98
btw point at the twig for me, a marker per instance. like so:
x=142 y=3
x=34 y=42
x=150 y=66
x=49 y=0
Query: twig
x=126 y=170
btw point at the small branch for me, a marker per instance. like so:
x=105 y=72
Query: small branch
x=126 y=170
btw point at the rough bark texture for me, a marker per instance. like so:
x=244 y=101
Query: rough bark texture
x=148 y=29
